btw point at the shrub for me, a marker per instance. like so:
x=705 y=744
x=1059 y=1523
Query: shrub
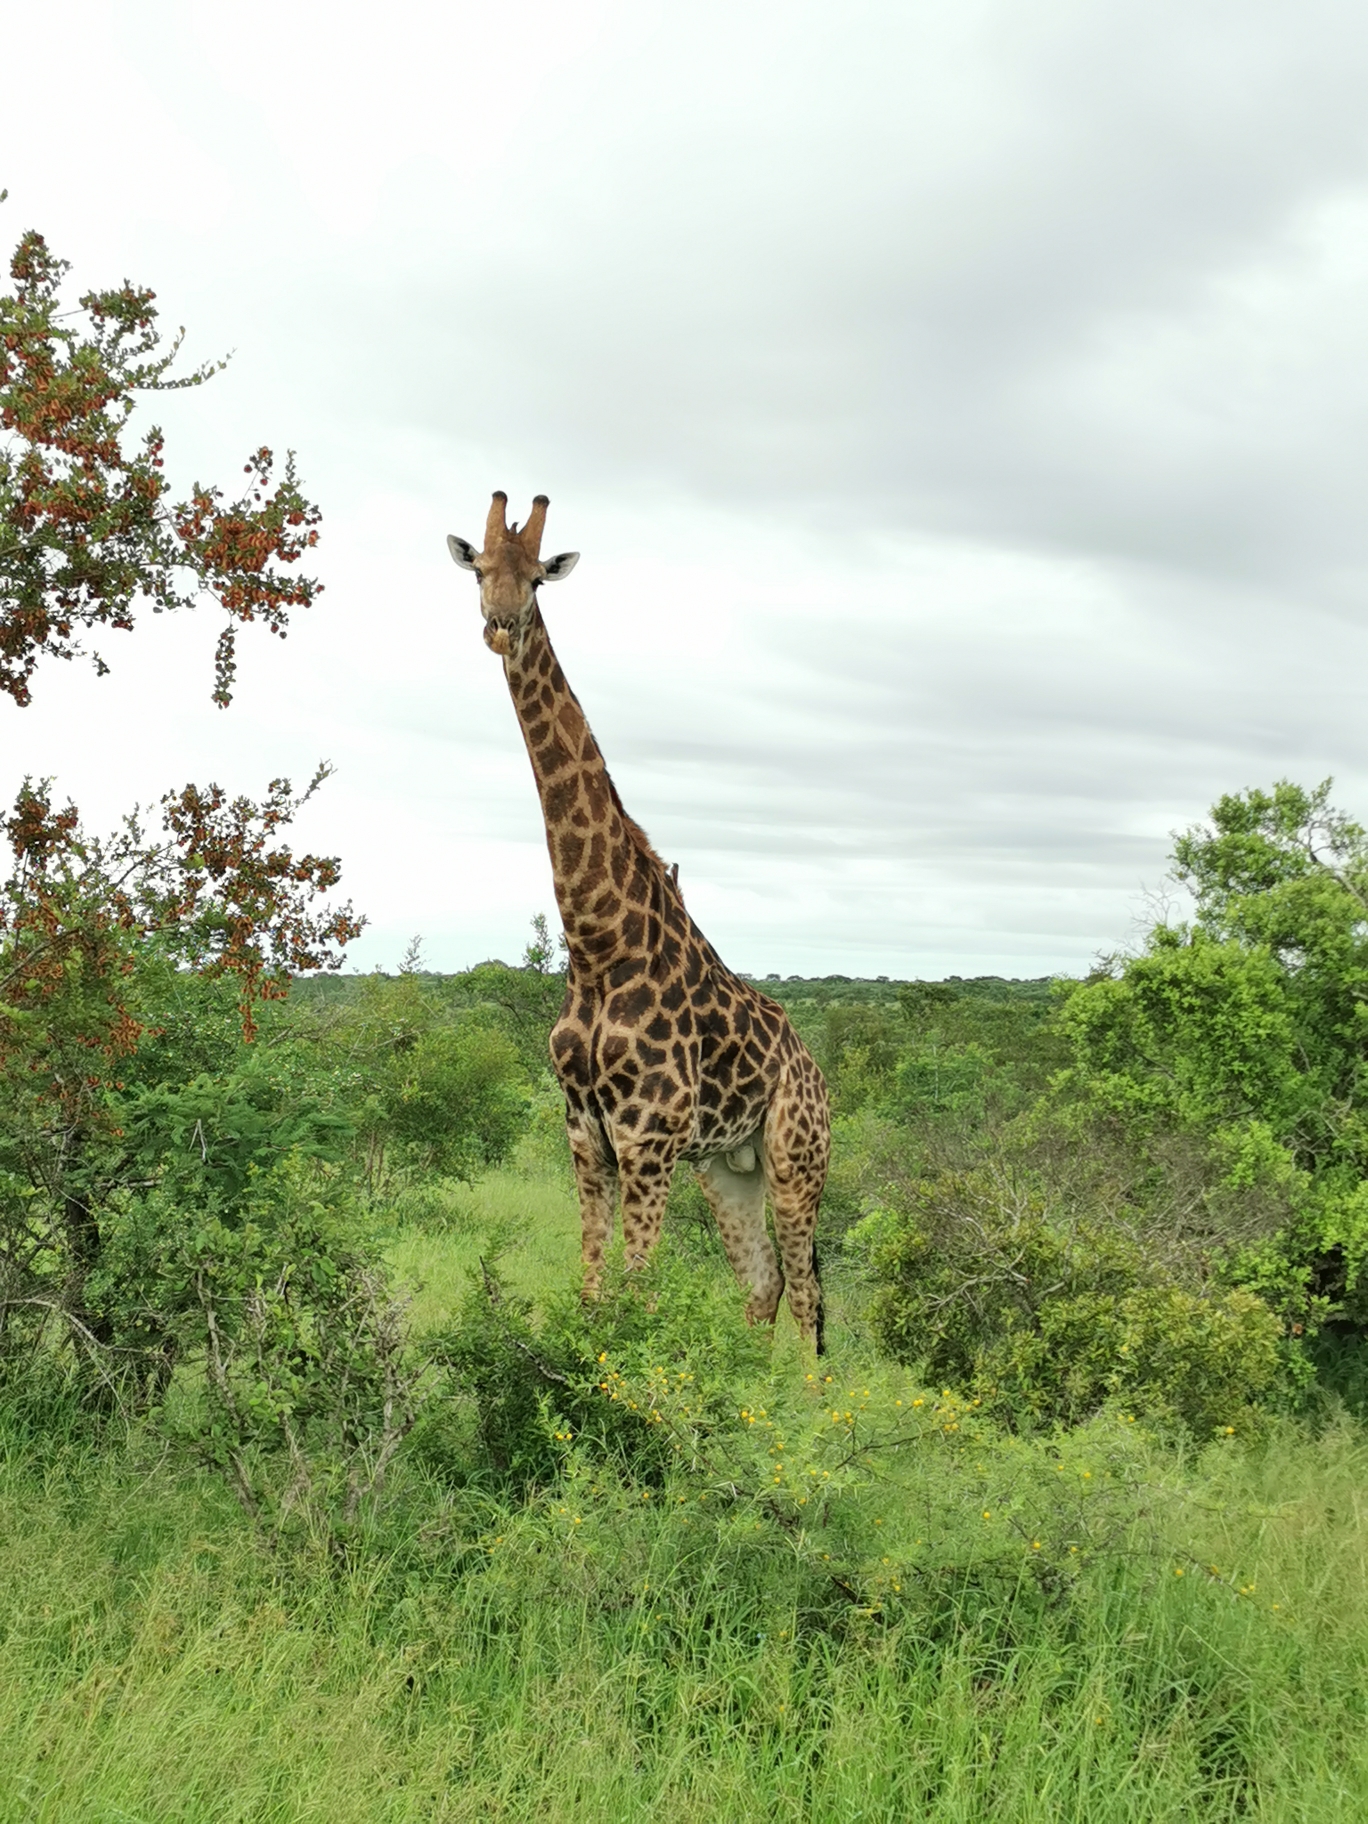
x=94 y=935
x=664 y=1343
x=431 y=1087
x=282 y=1306
x=456 y=1099
x=1043 y=1320
x=1238 y=1037
x=937 y=1079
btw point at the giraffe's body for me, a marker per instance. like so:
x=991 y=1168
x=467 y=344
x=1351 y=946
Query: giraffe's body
x=663 y=1053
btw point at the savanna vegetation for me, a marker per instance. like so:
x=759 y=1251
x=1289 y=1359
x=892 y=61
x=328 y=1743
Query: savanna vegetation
x=323 y=1495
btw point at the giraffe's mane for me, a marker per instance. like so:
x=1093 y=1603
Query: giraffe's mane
x=632 y=827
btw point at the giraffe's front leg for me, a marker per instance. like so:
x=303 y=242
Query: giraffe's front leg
x=645 y=1168
x=596 y=1179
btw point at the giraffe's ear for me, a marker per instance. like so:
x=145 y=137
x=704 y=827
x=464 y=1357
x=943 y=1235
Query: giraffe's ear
x=557 y=567
x=461 y=553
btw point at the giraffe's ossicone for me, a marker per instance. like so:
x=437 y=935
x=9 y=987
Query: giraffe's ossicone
x=663 y=1053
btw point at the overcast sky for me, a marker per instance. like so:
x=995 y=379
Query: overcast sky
x=962 y=412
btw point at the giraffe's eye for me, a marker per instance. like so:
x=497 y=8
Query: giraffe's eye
x=479 y=576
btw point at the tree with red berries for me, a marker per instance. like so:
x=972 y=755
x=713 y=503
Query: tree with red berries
x=88 y=534
x=152 y=1183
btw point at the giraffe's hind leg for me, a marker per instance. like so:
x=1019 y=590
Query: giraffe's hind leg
x=738 y=1205
x=797 y=1151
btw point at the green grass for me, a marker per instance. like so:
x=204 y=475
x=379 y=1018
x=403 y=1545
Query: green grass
x=530 y=1224
x=612 y=1647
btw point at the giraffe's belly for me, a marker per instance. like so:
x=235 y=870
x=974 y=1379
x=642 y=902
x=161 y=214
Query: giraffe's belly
x=703 y=1125
x=729 y=1128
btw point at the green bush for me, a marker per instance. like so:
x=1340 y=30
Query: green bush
x=1042 y=1320
x=933 y=1079
x=254 y=1322
x=431 y=1084
x=456 y=1099
x=1312 y=1269
x=1238 y=1037
x=600 y=1375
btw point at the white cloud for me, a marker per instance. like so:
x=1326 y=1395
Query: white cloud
x=961 y=412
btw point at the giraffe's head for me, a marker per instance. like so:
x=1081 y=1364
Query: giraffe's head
x=510 y=570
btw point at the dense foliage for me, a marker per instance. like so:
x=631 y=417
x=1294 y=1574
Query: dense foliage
x=88 y=535
x=331 y=1267
x=1047 y=1318
x=1246 y=1030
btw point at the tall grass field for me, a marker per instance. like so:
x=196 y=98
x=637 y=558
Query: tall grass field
x=856 y=1601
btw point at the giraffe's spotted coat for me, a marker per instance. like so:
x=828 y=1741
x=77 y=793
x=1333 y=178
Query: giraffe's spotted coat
x=663 y=1053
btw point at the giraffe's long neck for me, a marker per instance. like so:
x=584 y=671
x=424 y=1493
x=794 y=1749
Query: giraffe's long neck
x=610 y=884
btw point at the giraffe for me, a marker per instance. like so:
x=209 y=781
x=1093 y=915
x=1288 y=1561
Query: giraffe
x=662 y=1053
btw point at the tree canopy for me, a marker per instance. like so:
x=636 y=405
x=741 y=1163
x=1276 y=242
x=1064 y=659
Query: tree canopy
x=89 y=535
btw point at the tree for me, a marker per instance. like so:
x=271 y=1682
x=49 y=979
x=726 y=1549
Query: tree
x=87 y=533
x=170 y=1190
x=1245 y=1029
x=88 y=927
x=1252 y=1016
